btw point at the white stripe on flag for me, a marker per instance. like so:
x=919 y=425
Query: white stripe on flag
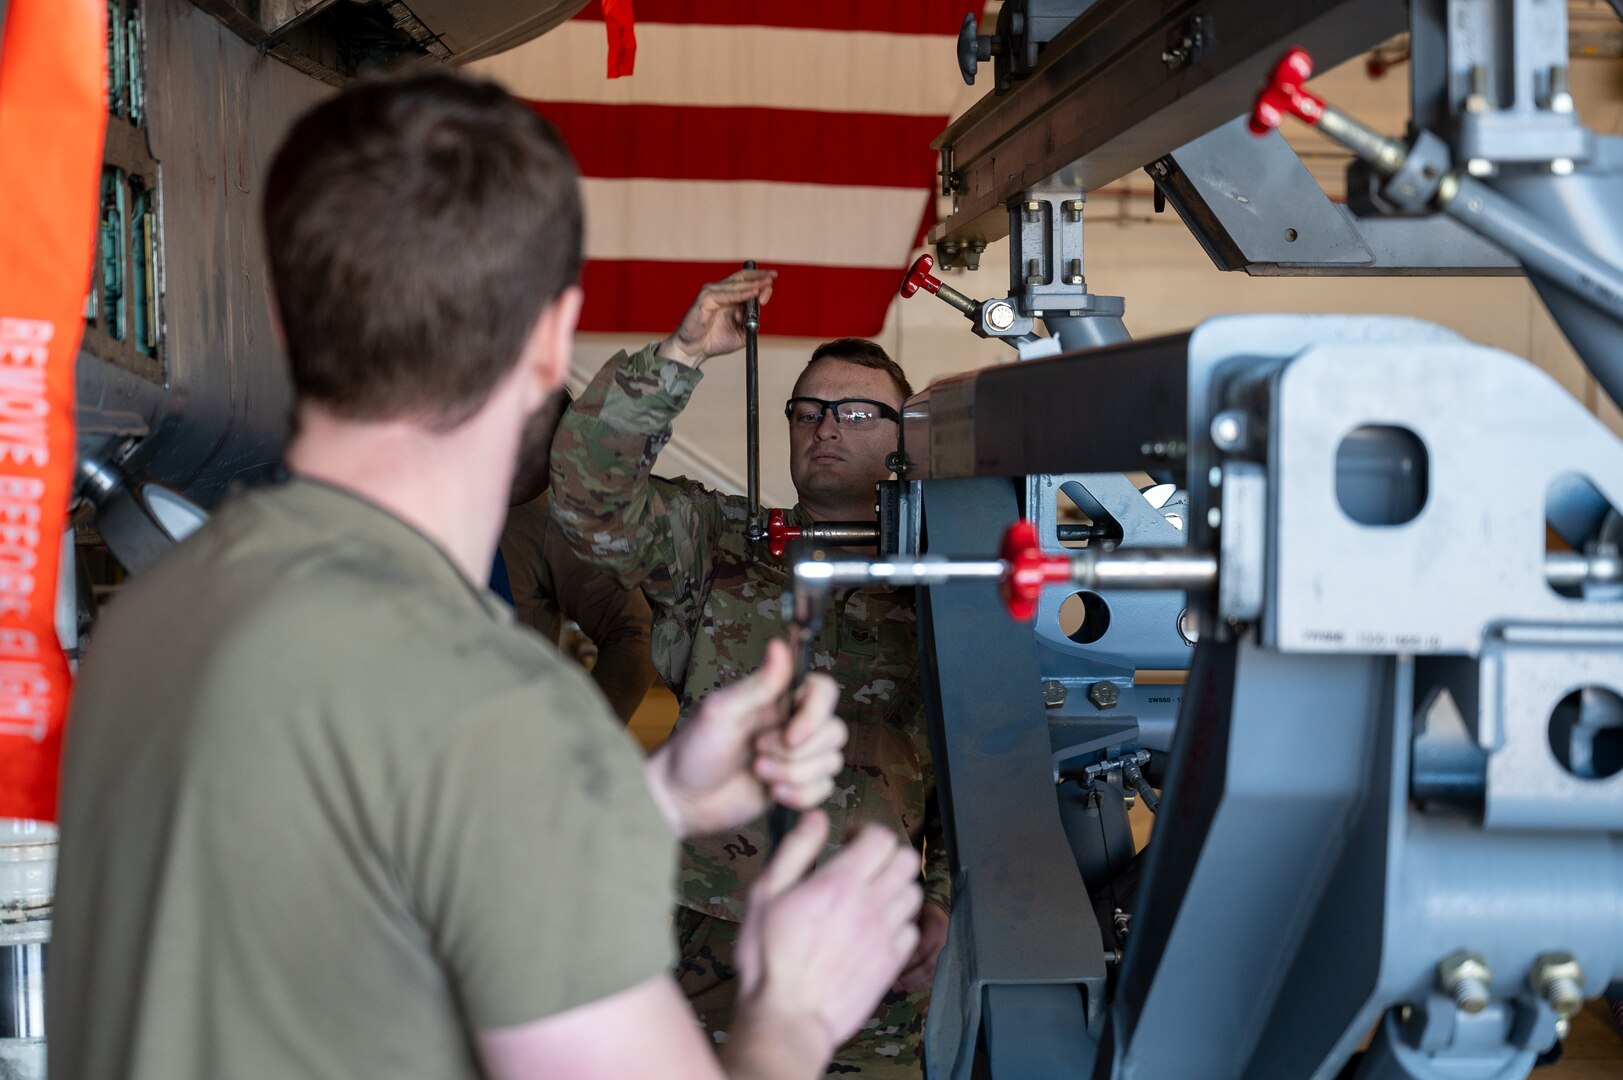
x=726 y=220
x=770 y=67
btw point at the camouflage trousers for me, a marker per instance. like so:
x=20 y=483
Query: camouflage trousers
x=890 y=1044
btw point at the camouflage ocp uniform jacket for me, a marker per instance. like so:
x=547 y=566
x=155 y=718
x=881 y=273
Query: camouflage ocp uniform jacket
x=716 y=604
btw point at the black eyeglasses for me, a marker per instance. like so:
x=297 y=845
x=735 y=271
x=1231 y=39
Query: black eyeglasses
x=848 y=412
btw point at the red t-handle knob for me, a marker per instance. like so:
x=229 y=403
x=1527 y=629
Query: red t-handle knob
x=1027 y=570
x=779 y=533
x=1284 y=94
x=919 y=277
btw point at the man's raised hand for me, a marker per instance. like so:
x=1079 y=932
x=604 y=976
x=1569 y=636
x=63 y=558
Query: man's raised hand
x=714 y=325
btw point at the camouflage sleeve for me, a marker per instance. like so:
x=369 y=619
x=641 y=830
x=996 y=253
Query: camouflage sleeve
x=937 y=868
x=615 y=619
x=615 y=514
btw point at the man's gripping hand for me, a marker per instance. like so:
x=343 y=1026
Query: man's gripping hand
x=714 y=325
x=816 y=955
x=735 y=756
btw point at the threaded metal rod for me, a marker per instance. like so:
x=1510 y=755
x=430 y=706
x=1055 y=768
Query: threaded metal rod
x=755 y=531
x=841 y=532
x=1135 y=568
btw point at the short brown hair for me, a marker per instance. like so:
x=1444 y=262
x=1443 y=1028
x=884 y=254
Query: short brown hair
x=416 y=227
x=862 y=353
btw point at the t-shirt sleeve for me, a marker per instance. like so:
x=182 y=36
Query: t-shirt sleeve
x=536 y=858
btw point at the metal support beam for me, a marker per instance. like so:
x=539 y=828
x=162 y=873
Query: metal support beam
x=1115 y=92
x=1021 y=916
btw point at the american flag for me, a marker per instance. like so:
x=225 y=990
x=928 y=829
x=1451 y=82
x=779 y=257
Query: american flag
x=794 y=134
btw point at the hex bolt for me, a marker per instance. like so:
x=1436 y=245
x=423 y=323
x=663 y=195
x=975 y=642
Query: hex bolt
x=1466 y=977
x=1477 y=100
x=1560 y=96
x=1104 y=695
x=1034 y=271
x=1229 y=430
x=999 y=315
x=1053 y=693
x=1074 y=273
x=1557 y=978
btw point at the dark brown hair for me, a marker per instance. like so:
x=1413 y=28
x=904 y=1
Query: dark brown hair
x=415 y=228
x=862 y=353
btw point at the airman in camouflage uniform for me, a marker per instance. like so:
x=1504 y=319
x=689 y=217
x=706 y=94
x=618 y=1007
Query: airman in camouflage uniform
x=715 y=598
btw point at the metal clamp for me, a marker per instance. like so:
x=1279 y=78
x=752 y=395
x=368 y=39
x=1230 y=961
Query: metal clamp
x=992 y=318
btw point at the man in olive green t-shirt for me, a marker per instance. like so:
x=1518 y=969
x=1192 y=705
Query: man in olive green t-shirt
x=327 y=812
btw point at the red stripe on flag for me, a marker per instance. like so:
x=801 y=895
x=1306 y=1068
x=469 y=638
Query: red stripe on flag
x=884 y=16
x=680 y=142
x=626 y=296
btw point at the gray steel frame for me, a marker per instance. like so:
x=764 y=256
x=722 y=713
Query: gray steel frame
x=1253 y=206
x=1300 y=888
x=1024 y=959
x=1142 y=632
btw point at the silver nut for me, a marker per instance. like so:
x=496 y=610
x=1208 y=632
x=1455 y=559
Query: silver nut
x=1104 y=695
x=1557 y=978
x=1229 y=430
x=1466 y=977
x=1053 y=693
x=999 y=315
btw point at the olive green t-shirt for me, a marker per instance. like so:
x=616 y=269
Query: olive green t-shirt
x=326 y=809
